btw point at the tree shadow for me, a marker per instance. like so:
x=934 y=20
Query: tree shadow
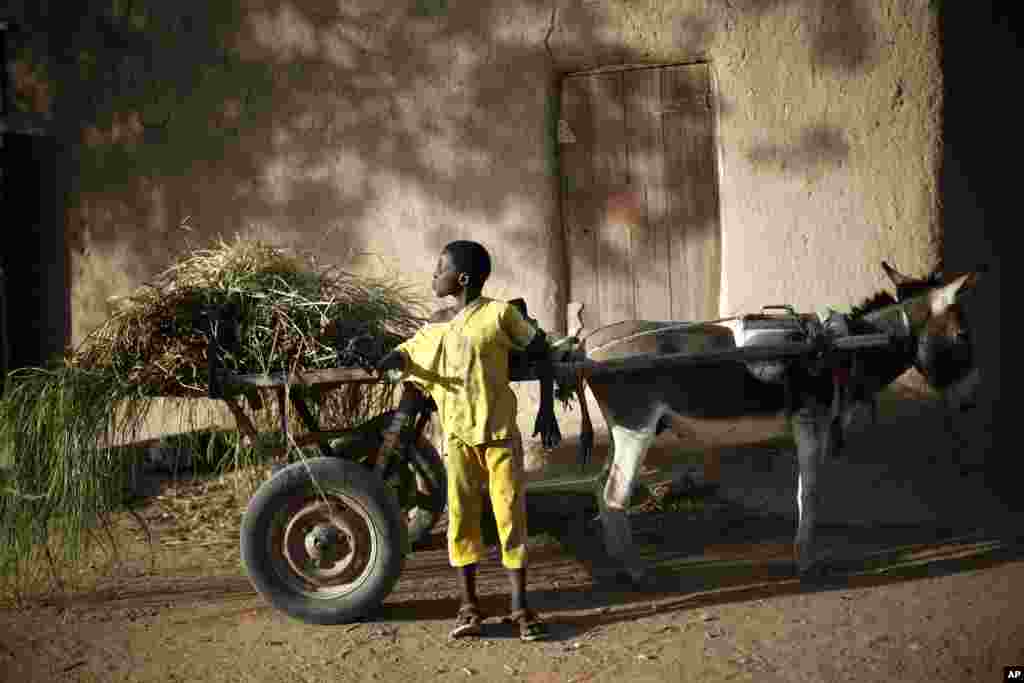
x=816 y=149
x=305 y=115
x=844 y=35
x=311 y=116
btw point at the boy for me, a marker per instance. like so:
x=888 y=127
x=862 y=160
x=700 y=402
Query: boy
x=461 y=361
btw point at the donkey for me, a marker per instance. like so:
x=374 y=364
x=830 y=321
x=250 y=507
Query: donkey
x=636 y=406
x=958 y=395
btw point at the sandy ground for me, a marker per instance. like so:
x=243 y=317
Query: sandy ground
x=927 y=587
x=722 y=610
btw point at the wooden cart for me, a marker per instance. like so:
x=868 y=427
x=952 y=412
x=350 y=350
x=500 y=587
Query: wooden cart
x=325 y=539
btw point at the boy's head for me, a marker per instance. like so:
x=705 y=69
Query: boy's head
x=463 y=264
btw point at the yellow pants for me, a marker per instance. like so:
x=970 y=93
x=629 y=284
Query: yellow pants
x=499 y=464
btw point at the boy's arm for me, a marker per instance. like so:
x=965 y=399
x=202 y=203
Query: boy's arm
x=546 y=425
x=398 y=359
x=413 y=358
x=531 y=339
x=519 y=331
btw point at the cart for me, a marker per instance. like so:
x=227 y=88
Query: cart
x=325 y=539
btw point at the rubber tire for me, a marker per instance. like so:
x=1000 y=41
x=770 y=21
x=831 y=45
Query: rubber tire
x=430 y=466
x=354 y=481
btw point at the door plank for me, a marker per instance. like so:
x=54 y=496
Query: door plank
x=614 y=202
x=692 y=213
x=646 y=156
x=577 y=185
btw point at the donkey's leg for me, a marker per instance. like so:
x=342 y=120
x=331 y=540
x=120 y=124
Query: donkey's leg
x=630 y=447
x=956 y=400
x=811 y=427
x=957 y=443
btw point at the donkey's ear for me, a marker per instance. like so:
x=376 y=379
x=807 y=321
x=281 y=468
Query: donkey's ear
x=944 y=297
x=896 y=276
x=973 y=277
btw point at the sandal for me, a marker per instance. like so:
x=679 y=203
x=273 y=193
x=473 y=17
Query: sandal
x=530 y=626
x=468 y=622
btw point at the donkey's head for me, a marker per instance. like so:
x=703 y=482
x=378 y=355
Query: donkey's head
x=943 y=352
x=909 y=287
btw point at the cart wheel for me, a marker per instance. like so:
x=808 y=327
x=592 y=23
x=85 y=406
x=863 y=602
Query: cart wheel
x=324 y=553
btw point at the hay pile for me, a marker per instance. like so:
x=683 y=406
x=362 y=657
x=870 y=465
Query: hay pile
x=157 y=341
x=60 y=476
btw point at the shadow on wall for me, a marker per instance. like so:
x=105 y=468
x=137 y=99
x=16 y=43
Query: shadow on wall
x=306 y=116
x=844 y=37
x=304 y=112
x=313 y=115
x=817 y=148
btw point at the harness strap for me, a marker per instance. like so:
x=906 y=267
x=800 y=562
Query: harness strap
x=667 y=328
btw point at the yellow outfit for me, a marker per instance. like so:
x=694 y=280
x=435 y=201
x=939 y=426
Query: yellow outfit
x=463 y=365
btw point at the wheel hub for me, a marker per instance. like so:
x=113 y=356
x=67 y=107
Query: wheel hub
x=326 y=544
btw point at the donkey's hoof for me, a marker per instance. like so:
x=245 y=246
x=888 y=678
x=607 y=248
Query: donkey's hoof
x=815 y=574
x=636 y=577
x=632 y=577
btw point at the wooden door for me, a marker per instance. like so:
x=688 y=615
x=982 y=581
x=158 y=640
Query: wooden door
x=640 y=194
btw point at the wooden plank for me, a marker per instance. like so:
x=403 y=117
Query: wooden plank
x=646 y=159
x=706 y=168
x=616 y=204
x=234 y=384
x=746 y=354
x=577 y=185
x=638 y=362
x=245 y=424
x=677 y=111
x=692 y=199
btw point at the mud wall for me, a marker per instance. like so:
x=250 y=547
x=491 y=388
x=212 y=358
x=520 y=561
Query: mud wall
x=375 y=132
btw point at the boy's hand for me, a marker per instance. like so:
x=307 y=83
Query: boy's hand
x=392 y=361
x=547 y=426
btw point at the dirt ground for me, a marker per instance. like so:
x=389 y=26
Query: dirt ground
x=937 y=601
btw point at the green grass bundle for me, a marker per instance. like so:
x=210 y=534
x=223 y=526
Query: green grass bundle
x=63 y=467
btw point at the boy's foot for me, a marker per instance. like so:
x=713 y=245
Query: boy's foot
x=530 y=626
x=468 y=622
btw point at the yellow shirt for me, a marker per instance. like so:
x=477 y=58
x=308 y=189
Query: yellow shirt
x=463 y=365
